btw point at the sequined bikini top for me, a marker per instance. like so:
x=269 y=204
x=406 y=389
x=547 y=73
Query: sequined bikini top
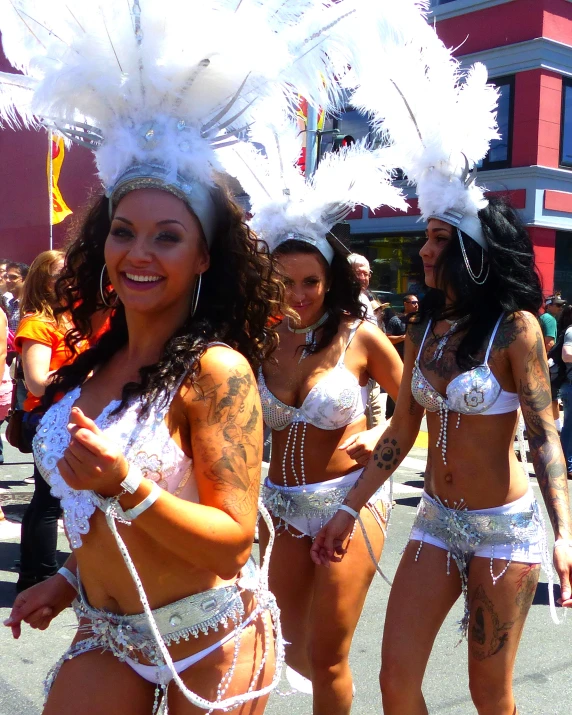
x=335 y=401
x=474 y=392
x=145 y=442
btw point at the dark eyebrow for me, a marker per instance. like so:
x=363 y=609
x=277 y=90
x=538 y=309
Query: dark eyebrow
x=159 y=223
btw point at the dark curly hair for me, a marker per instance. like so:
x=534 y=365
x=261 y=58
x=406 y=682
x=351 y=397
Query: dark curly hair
x=343 y=296
x=239 y=293
x=513 y=283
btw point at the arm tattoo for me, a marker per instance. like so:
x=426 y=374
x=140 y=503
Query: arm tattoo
x=508 y=331
x=386 y=454
x=545 y=447
x=236 y=415
x=536 y=391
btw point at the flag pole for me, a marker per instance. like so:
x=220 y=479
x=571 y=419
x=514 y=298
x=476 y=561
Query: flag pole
x=51 y=186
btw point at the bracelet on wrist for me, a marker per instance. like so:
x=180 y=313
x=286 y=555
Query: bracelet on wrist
x=132 y=481
x=149 y=500
x=562 y=542
x=69 y=577
x=349 y=510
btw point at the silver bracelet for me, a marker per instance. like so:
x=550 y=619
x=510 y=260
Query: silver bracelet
x=149 y=500
x=133 y=480
x=563 y=542
x=69 y=577
x=349 y=510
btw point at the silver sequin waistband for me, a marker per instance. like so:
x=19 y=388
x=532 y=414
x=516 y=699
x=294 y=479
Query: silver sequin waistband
x=295 y=502
x=177 y=621
x=463 y=530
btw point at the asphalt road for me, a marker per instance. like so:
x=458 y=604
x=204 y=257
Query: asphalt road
x=543 y=674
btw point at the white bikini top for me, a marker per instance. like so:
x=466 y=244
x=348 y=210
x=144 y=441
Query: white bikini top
x=144 y=442
x=474 y=392
x=335 y=401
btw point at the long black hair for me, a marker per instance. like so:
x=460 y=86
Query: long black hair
x=238 y=295
x=513 y=283
x=343 y=295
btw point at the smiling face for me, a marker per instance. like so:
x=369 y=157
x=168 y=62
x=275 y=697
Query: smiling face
x=154 y=252
x=438 y=235
x=305 y=280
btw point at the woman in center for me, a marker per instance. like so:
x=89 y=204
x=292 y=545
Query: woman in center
x=314 y=393
x=314 y=396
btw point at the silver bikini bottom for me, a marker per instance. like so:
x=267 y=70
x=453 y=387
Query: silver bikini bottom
x=130 y=638
x=307 y=508
x=514 y=531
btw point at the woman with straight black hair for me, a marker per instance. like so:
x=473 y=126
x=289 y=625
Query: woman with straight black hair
x=472 y=356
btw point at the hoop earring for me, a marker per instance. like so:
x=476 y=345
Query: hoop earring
x=102 y=293
x=196 y=294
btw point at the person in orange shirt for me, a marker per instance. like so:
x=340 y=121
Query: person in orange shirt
x=41 y=341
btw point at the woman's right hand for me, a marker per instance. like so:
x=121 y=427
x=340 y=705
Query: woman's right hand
x=39 y=605
x=328 y=545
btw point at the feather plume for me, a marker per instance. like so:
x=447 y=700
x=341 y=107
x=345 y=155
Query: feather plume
x=283 y=201
x=437 y=119
x=163 y=80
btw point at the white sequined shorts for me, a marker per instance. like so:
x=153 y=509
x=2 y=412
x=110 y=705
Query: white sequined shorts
x=307 y=508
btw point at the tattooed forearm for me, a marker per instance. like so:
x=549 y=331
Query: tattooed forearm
x=386 y=454
x=535 y=391
x=550 y=469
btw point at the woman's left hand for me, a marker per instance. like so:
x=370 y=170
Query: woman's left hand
x=563 y=566
x=91 y=461
x=360 y=446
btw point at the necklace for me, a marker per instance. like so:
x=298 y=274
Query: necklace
x=445 y=337
x=310 y=328
x=310 y=333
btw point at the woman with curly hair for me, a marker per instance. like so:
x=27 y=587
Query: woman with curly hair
x=165 y=431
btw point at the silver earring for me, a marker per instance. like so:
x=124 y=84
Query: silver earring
x=102 y=292
x=196 y=294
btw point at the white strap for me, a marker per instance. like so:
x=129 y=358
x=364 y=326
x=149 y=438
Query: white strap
x=133 y=480
x=349 y=510
x=149 y=500
x=493 y=338
x=69 y=577
x=424 y=337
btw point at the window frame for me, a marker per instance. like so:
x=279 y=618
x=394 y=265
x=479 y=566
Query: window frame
x=566 y=82
x=486 y=164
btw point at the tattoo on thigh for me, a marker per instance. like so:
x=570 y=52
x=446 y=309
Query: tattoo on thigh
x=489 y=634
x=526 y=587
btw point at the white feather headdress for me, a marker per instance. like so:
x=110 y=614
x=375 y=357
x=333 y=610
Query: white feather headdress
x=286 y=205
x=155 y=87
x=439 y=122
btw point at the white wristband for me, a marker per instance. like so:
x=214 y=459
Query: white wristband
x=133 y=479
x=563 y=542
x=353 y=512
x=69 y=577
x=149 y=500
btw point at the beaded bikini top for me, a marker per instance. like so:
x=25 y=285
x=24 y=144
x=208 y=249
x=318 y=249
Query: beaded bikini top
x=474 y=392
x=335 y=401
x=145 y=442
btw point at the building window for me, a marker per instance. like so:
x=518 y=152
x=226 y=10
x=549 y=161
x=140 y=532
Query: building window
x=499 y=156
x=351 y=126
x=434 y=3
x=563 y=264
x=566 y=138
x=397 y=268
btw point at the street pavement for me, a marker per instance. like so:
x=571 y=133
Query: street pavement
x=543 y=677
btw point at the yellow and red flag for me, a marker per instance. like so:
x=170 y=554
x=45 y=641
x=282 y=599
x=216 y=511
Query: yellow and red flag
x=59 y=209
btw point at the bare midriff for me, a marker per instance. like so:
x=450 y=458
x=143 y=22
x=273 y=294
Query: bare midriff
x=322 y=458
x=480 y=470
x=165 y=577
